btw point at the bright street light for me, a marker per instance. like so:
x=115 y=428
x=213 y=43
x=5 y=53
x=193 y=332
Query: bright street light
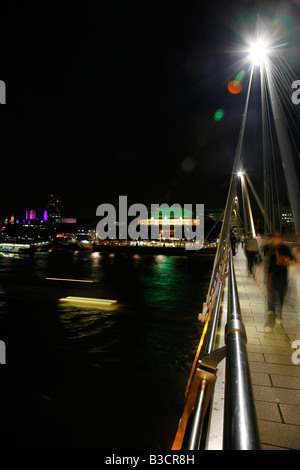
x=257 y=52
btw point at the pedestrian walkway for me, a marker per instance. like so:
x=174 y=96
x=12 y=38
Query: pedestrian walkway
x=275 y=378
x=273 y=361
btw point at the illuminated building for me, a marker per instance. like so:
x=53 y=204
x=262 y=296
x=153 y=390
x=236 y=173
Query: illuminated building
x=66 y=220
x=53 y=208
x=32 y=216
x=171 y=221
x=286 y=220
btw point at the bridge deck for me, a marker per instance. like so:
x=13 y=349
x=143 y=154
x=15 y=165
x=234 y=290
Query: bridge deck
x=275 y=378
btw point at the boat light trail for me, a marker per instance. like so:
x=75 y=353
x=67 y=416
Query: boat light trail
x=88 y=300
x=68 y=280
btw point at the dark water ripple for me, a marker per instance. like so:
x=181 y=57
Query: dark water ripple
x=83 y=377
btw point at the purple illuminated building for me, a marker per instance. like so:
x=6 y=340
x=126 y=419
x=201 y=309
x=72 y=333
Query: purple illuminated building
x=32 y=214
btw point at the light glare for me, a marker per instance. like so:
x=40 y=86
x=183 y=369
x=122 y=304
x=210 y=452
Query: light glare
x=258 y=52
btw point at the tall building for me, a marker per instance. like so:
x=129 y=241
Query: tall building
x=53 y=208
x=286 y=220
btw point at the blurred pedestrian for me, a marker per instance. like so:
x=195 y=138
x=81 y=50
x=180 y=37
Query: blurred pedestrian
x=294 y=273
x=251 y=251
x=242 y=240
x=280 y=257
x=233 y=243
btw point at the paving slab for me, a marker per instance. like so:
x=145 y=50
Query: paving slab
x=274 y=373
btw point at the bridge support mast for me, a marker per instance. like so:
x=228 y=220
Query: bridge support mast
x=285 y=150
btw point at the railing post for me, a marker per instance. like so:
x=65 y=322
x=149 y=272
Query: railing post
x=240 y=423
x=205 y=377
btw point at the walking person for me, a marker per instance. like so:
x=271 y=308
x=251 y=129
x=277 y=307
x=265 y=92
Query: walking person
x=251 y=251
x=280 y=258
x=242 y=241
x=233 y=243
x=264 y=247
x=294 y=273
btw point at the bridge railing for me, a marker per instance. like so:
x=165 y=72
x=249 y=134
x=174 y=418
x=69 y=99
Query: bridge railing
x=203 y=373
x=240 y=425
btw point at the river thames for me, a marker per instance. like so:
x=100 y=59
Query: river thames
x=88 y=376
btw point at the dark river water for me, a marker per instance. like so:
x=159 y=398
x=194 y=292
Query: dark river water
x=102 y=377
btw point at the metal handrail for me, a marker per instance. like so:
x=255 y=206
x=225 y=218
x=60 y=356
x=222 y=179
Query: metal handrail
x=196 y=422
x=240 y=430
x=203 y=374
x=211 y=319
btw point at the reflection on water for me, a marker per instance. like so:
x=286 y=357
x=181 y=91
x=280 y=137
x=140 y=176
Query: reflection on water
x=167 y=286
x=80 y=322
x=113 y=376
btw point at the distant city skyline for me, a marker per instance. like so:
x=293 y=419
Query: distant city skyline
x=140 y=106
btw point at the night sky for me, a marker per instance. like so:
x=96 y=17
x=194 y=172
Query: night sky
x=118 y=98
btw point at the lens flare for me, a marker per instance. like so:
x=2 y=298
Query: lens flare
x=234 y=87
x=219 y=114
x=240 y=76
